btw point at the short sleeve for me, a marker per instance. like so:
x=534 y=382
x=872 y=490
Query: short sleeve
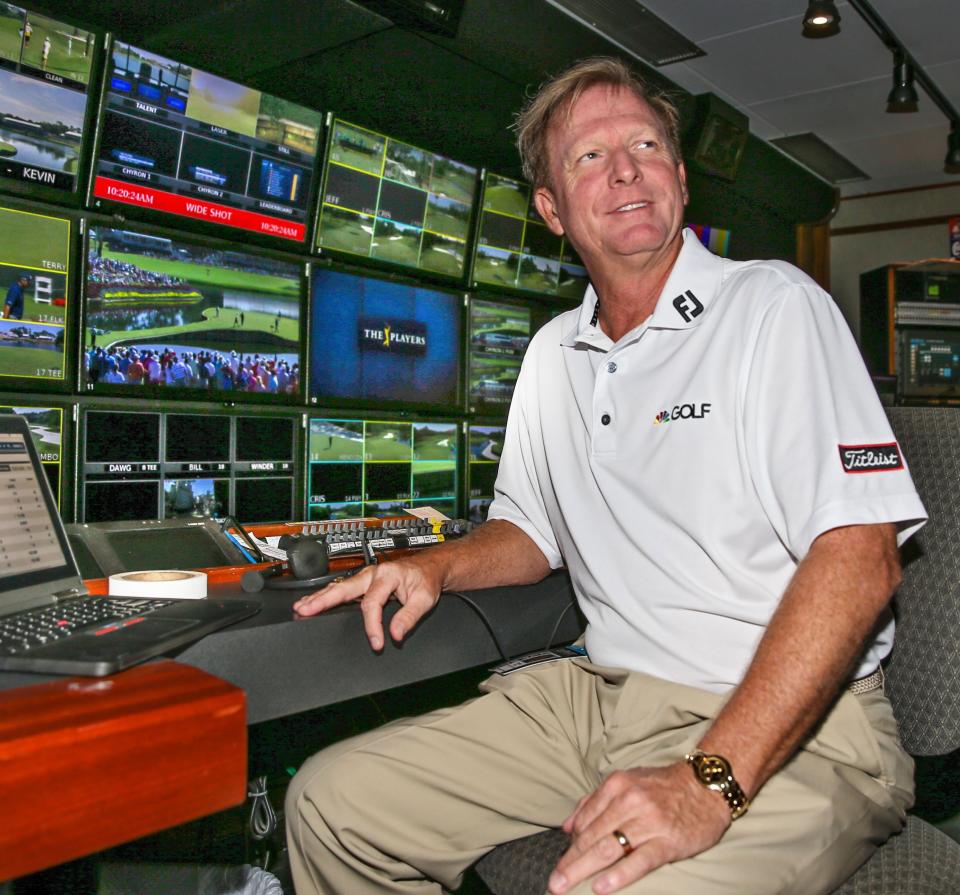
x=518 y=495
x=820 y=450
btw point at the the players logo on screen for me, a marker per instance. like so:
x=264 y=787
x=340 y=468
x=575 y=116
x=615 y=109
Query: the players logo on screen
x=397 y=336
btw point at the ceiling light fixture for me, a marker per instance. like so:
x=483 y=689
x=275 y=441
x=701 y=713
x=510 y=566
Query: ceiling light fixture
x=821 y=19
x=903 y=96
x=951 y=164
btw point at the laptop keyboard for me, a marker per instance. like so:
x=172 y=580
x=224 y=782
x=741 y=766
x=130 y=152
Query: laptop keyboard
x=37 y=627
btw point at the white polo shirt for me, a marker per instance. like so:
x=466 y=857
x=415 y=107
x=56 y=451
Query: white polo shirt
x=681 y=473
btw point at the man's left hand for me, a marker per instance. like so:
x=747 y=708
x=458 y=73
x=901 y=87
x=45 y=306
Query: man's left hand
x=664 y=813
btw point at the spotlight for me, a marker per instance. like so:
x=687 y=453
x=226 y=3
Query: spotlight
x=821 y=19
x=903 y=96
x=951 y=164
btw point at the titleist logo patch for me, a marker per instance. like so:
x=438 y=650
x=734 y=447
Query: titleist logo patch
x=870 y=457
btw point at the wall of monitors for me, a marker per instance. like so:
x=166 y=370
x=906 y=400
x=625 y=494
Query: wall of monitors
x=514 y=249
x=46 y=429
x=395 y=203
x=180 y=140
x=45 y=70
x=486 y=443
x=499 y=335
x=378 y=468
x=376 y=341
x=167 y=316
x=35 y=272
x=164 y=465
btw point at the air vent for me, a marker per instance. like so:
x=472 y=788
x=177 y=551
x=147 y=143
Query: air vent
x=813 y=153
x=633 y=28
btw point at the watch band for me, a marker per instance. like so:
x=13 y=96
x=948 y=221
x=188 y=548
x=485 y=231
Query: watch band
x=714 y=772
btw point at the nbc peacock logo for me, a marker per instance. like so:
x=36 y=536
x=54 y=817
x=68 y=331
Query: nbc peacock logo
x=662 y=417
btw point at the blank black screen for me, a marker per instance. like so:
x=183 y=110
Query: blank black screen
x=121 y=501
x=113 y=437
x=195 y=438
x=264 y=438
x=264 y=500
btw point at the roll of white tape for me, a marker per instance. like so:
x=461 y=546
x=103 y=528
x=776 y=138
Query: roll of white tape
x=162 y=584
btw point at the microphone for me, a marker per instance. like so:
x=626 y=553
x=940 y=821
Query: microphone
x=256 y=579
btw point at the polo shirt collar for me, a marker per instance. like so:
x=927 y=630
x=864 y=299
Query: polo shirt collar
x=687 y=294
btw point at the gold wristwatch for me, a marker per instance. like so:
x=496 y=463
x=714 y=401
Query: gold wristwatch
x=713 y=772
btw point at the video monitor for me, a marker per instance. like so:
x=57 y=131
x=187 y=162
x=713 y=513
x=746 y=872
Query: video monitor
x=167 y=316
x=263 y=469
x=485 y=443
x=179 y=140
x=499 y=335
x=35 y=271
x=44 y=77
x=929 y=363
x=376 y=341
x=170 y=465
x=380 y=468
x=46 y=429
x=516 y=251
x=391 y=202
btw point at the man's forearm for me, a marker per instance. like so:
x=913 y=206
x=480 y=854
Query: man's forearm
x=808 y=650
x=494 y=554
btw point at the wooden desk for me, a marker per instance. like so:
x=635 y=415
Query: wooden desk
x=88 y=763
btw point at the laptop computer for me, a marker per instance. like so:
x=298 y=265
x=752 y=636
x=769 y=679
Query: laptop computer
x=48 y=623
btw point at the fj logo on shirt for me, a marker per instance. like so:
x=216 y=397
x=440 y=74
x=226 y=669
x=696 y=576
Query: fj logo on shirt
x=688 y=306
x=682 y=412
x=870 y=457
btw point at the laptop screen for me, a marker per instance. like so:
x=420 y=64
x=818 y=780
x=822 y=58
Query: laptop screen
x=34 y=556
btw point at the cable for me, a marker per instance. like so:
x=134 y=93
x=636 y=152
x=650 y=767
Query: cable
x=263 y=819
x=483 y=618
x=556 y=627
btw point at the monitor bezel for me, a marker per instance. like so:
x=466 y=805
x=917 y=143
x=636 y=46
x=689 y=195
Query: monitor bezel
x=67 y=425
x=121 y=211
x=343 y=415
x=343 y=256
x=483 y=409
x=475 y=285
x=66 y=384
x=234 y=473
x=73 y=198
x=165 y=393
x=373 y=404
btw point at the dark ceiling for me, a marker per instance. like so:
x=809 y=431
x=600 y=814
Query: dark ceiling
x=456 y=95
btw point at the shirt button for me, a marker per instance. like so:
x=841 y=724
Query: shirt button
x=605 y=419
x=611 y=367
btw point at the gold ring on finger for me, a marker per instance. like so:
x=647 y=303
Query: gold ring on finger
x=622 y=841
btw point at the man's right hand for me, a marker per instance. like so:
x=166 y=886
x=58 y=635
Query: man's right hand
x=416 y=585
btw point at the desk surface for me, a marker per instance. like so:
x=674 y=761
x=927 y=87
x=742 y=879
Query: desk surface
x=288 y=665
x=78 y=783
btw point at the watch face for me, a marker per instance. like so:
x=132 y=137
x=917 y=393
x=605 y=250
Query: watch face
x=712 y=769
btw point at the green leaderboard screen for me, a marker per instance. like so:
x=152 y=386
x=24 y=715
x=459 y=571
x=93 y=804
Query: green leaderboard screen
x=34 y=271
x=392 y=202
x=379 y=468
x=515 y=250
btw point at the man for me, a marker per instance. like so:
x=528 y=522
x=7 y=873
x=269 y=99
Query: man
x=13 y=303
x=682 y=443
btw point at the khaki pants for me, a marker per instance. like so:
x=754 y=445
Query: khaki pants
x=411 y=806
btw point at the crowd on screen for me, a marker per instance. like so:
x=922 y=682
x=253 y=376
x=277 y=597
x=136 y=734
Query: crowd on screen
x=110 y=272
x=211 y=370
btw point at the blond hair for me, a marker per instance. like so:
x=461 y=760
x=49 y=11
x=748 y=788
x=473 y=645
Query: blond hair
x=561 y=92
